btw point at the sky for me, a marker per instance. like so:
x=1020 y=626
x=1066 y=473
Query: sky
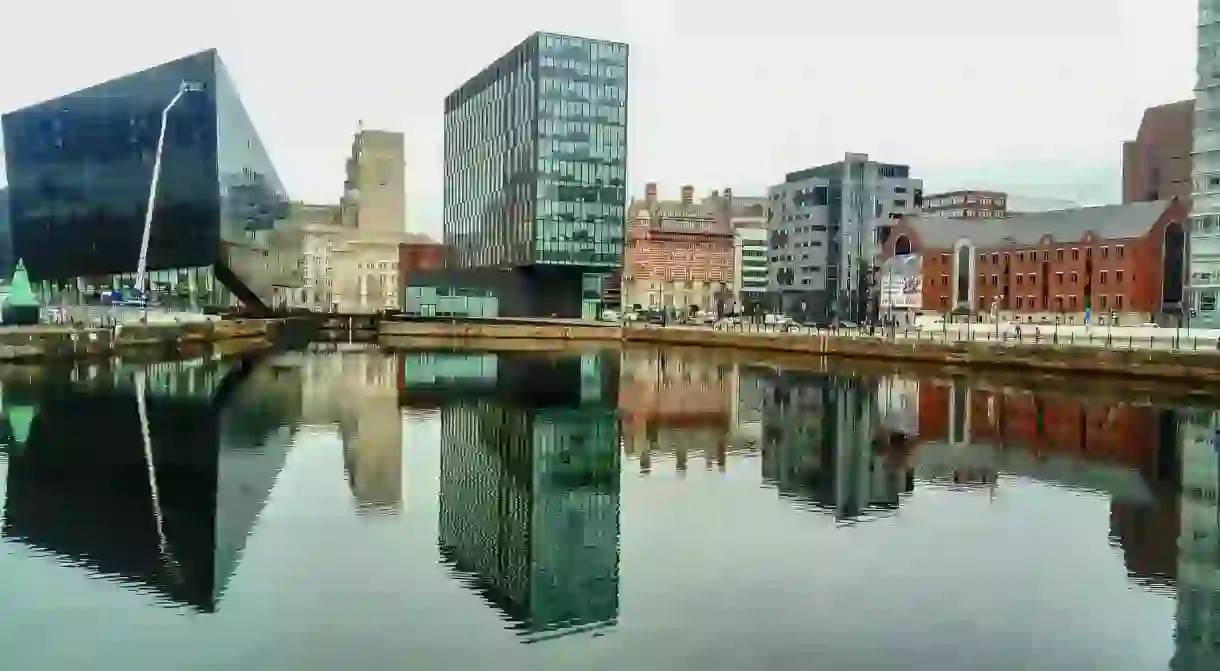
x=1034 y=97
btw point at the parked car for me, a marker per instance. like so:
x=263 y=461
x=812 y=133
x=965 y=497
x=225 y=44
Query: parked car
x=610 y=316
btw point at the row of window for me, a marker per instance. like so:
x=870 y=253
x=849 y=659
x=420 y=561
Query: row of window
x=1120 y=251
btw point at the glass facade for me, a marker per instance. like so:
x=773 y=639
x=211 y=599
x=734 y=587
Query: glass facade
x=79 y=169
x=582 y=151
x=1205 y=234
x=536 y=159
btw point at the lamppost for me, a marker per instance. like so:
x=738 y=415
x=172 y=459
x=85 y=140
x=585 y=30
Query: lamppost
x=142 y=266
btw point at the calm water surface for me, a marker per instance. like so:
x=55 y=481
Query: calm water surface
x=347 y=508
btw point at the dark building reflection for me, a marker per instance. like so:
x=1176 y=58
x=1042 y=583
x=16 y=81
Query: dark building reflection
x=825 y=445
x=529 y=492
x=79 y=489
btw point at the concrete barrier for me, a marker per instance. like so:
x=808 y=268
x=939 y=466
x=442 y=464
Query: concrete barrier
x=485 y=330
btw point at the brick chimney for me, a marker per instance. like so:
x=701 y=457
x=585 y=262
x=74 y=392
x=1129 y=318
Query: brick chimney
x=688 y=194
x=650 y=192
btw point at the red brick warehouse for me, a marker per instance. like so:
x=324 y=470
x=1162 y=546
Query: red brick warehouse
x=1124 y=259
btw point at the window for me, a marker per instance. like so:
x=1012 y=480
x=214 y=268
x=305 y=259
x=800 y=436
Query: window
x=1018 y=302
x=1102 y=302
x=1072 y=302
x=1075 y=254
x=1103 y=274
x=1105 y=252
x=1120 y=250
x=1118 y=276
x=1020 y=280
x=1059 y=255
x=1075 y=278
x=1118 y=302
x=1207 y=301
x=1059 y=278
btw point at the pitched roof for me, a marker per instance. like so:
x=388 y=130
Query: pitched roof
x=1107 y=221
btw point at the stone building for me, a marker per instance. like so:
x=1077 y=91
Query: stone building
x=679 y=254
x=351 y=250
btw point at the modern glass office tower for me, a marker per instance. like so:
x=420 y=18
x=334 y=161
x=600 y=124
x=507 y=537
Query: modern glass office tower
x=535 y=174
x=1205 y=173
x=79 y=170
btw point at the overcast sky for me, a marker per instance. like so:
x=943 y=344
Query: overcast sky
x=1033 y=96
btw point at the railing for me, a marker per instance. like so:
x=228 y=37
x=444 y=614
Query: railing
x=1116 y=337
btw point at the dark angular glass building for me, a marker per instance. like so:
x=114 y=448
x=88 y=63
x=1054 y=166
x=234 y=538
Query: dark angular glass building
x=79 y=170
x=535 y=174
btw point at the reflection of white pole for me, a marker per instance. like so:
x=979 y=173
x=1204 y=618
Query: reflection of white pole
x=158 y=516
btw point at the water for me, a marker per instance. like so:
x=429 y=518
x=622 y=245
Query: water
x=350 y=508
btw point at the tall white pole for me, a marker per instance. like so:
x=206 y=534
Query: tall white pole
x=142 y=264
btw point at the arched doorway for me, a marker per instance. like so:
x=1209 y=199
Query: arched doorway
x=1173 y=270
x=902 y=246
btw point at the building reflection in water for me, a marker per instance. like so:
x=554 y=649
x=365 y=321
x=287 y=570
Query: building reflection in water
x=855 y=446
x=78 y=487
x=529 y=483
x=826 y=445
x=354 y=386
x=676 y=406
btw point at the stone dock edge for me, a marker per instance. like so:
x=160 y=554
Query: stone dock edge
x=48 y=342
x=1195 y=366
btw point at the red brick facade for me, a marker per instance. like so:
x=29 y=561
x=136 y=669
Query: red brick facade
x=417 y=256
x=1051 y=275
x=1156 y=164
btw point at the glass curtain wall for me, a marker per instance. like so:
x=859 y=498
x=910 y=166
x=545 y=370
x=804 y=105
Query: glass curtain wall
x=582 y=151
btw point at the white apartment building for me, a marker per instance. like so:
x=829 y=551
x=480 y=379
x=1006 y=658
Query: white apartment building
x=750 y=267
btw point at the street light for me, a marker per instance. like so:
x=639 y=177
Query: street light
x=142 y=266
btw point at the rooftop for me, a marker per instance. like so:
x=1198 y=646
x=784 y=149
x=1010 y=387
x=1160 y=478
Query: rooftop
x=1108 y=221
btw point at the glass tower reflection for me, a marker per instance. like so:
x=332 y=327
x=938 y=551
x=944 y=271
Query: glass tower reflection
x=219 y=431
x=529 y=494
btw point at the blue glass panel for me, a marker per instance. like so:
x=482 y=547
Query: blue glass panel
x=582 y=151
x=255 y=245
x=6 y=231
x=79 y=170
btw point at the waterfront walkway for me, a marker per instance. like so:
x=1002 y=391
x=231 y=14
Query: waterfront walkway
x=1129 y=351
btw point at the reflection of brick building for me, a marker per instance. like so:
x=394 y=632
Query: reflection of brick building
x=1125 y=258
x=678 y=254
x=1122 y=434
x=675 y=405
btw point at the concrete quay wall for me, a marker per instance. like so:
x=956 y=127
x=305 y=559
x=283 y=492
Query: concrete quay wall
x=521 y=330
x=1156 y=363
x=35 y=343
x=1199 y=366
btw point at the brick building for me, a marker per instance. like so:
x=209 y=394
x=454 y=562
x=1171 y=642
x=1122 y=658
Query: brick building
x=1157 y=163
x=419 y=253
x=968 y=204
x=1127 y=259
x=679 y=254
